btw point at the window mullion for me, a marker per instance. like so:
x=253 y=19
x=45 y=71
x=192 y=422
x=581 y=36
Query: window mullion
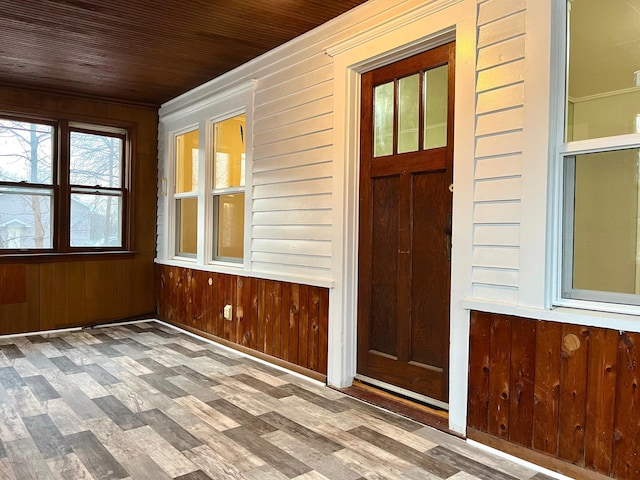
x=62 y=202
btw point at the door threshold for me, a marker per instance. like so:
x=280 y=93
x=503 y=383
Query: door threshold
x=405 y=407
x=403 y=392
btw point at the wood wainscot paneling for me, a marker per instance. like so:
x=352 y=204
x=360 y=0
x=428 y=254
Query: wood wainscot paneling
x=563 y=396
x=49 y=292
x=285 y=321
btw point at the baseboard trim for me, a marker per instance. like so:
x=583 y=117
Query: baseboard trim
x=305 y=372
x=546 y=461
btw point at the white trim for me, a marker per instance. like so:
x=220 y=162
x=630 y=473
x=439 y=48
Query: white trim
x=519 y=461
x=414 y=29
x=408 y=17
x=236 y=269
x=573 y=312
x=183 y=115
x=536 y=152
x=42 y=332
x=203 y=97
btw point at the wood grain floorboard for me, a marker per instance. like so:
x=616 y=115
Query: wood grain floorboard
x=147 y=402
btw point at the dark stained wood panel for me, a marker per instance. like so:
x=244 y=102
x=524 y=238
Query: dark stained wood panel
x=547 y=387
x=568 y=394
x=479 y=341
x=63 y=291
x=144 y=51
x=13 y=283
x=286 y=321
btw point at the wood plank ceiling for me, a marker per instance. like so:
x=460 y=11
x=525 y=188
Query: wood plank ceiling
x=144 y=51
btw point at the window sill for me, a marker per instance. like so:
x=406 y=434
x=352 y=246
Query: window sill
x=51 y=257
x=574 y=314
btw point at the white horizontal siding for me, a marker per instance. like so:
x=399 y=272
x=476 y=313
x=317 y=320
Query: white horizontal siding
x=304 y=143
x=495 y=293
x=290 y=204
x=503 y=212
x=501 y=98
x=291 y=218
x=496 y=167
x=289 y=189
x=293 y=232
x=499 y=110
x=293 y=115
x=500 y=76
x=501 y=121
x=501 y=29
x=292 y=169
x=321 y=122
x=495 y=276
x=493 y=10
x=496 y=256
x=296 y=159
x=498 y=189
x=162 y=216
x=500 y=234
x=503 y=52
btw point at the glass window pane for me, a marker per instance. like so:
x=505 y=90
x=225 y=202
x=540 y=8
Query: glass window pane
x=436 y=88
x=95 y=160
x=96 y=220
x=383 y=110
x=25 y=218
x=603 y=83
x=187 y=150
x=187 y=226
x=408 y=113
x=26 y=152
x=229 y=152
x=230 y=234
x=606 y=222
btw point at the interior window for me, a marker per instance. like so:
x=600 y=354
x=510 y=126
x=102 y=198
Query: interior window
x=229 y=157
x=601 y=241
x=186 y=193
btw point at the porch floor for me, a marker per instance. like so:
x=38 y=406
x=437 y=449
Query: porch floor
x=144 y=401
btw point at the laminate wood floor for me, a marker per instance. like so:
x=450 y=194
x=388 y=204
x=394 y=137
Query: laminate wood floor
x=145 y=401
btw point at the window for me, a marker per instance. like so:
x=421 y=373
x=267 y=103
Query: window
x=208 y=149
x=186 y=193
x=228 y=188
x=61 y=197
x=601 y=153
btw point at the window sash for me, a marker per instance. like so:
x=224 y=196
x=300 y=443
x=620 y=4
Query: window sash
x=61 y=191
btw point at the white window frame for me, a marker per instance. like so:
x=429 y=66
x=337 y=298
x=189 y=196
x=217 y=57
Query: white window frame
x=173 y=196
x=201 y=114
x=212 y=230
x=564 y=294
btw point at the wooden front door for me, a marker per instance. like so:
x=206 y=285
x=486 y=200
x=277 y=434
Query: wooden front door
x=406 y=176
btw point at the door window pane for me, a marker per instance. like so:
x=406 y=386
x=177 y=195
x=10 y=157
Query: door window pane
x=436 y=88
x=187 y=160
x=603 y=69
x=95 y=160
x=605 y=221
x=187 y=226
x=25 y=218
x=383 y=111
x=408 y=113
x=26 y=152
x=96 y=220
x=230 y=235
x=229 y=152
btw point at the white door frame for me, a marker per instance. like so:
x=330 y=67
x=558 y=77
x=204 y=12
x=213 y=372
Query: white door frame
x=419 y=27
